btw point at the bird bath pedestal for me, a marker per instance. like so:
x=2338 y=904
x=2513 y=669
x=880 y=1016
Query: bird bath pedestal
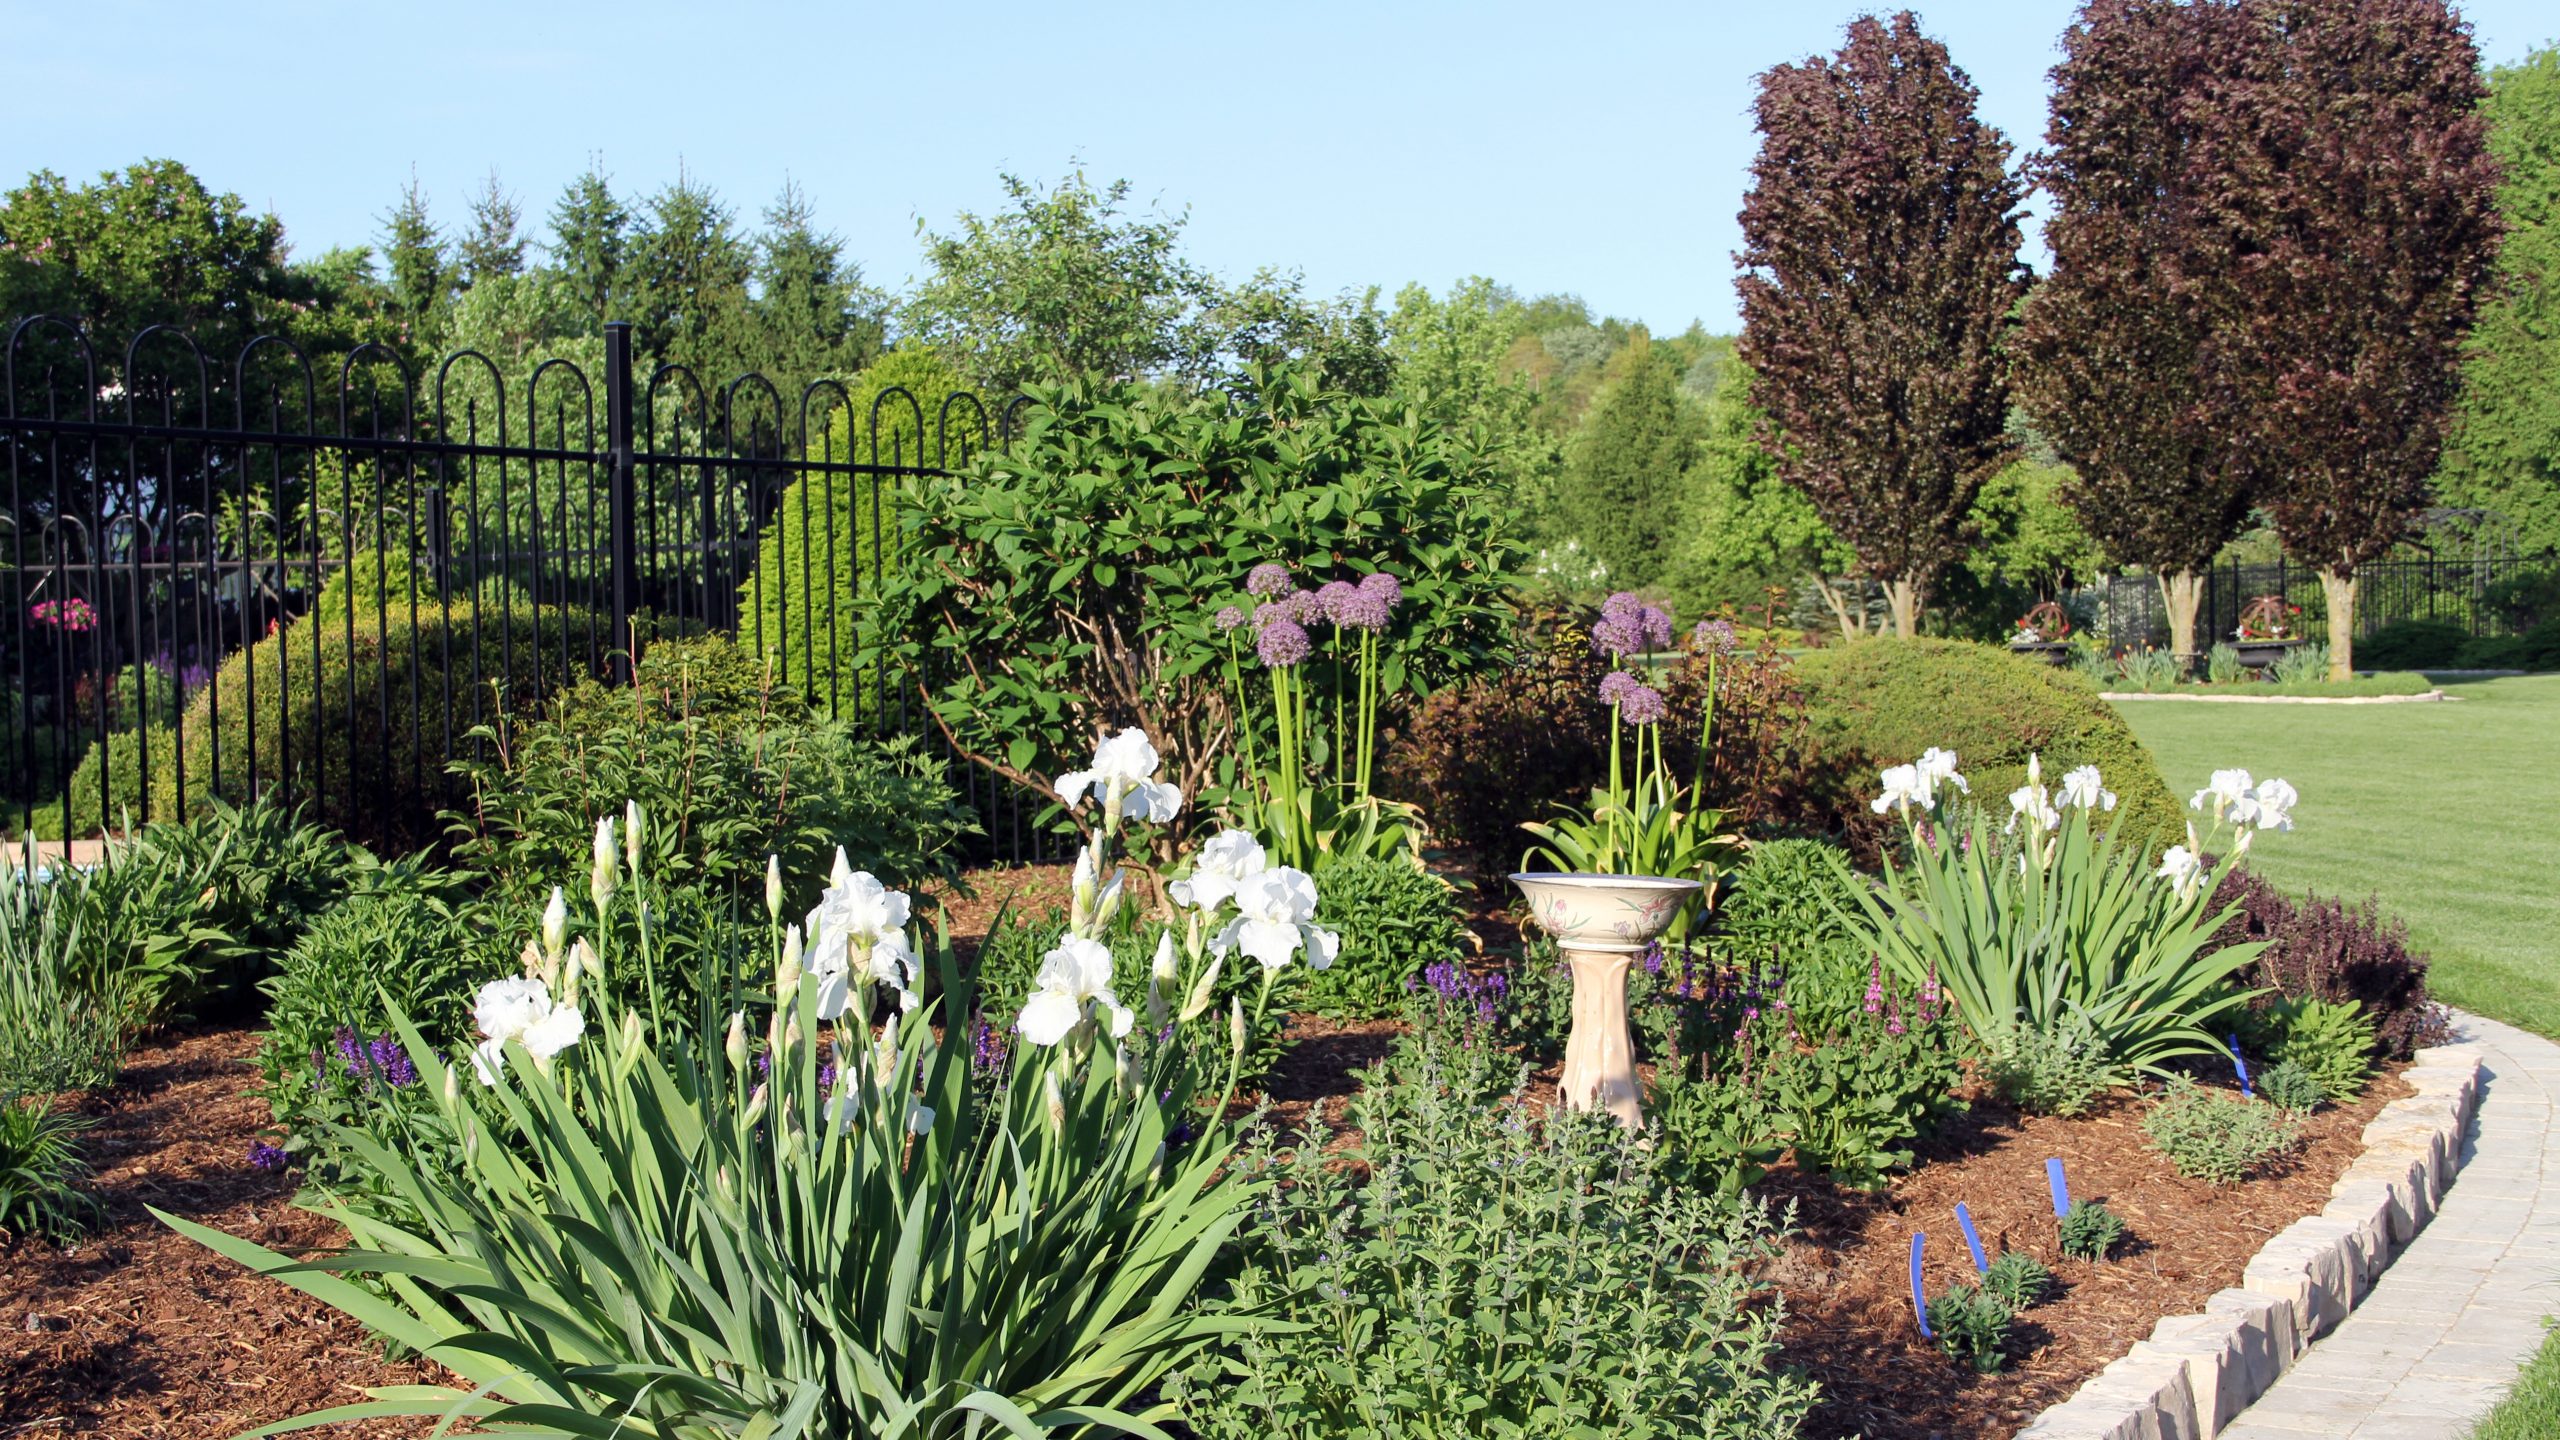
x=1600 y=922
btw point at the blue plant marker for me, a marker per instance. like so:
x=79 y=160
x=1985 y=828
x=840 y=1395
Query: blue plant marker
x=1972 y=1241
x=2060 y=1187
x=1919 y=1296
x=2242 y=1066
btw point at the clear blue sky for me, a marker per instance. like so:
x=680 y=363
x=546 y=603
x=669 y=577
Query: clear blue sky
x=1600 y=149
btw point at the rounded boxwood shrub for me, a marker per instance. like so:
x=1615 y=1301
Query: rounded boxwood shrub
x=2412 y=645
x=1789 y=908
x=1394 y=918
x=354 y=720
x=1883 y=701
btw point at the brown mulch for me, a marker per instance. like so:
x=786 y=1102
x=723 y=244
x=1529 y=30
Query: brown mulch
x=137 y=1331
x=1846 y=1279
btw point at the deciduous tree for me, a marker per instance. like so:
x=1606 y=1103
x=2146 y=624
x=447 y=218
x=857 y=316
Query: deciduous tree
x=2351 y=175
x=1880 y=271
x=2112 y=341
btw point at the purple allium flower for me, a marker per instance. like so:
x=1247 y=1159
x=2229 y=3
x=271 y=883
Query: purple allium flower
x=264 y=1156
x=1231 y=617
x=1366 y=609
x=1382 y=587
x=1714 y=637
x=1305 y=607
x=1617 y=685
x=1629 y=626
x=1282 y=642
x=1334 y=596
x=1269 y=579
x=1643 y=706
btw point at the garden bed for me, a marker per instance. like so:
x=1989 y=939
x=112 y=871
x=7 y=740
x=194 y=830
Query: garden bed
x=138 y=1331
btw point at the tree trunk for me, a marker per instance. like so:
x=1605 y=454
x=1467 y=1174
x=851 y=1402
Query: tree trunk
x=1853 y=623
x=2341 y=590
x=1904 y=596
x=2181 y=595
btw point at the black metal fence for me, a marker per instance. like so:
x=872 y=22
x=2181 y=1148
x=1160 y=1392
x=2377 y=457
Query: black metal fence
x=2469 y=592
x=435 y=539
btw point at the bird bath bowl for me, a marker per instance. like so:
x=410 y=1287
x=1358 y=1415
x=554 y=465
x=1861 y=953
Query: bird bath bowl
x=1600 y=922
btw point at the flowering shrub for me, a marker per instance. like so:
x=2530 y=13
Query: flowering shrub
x=811 y=1221
x=71 y=615
x=2053 y=915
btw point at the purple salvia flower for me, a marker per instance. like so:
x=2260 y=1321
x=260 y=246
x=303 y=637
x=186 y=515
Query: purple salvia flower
x=350 y=1050
x=391 y=1062
x=1282 y=642
x=1653 y=958
x=264 y=1156
x=827 y=1077
x=1270 y=579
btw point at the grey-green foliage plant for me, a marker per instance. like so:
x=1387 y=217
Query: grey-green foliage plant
x=2058 y=1072
x=2028 y=927
x=2331 y=1039
x=1071 y=580
x=1491 y=1268
x=2222 y=665
x=2216 y=1136
x=637 y=1235
x=2091 y=1231
x=2289 y=1087
x=2019 y=1279
x=41 y=1170
x=1395 y=918
x=54 y=1035
x=2303 y=664
x=1971 y=1324
x=2148 y=670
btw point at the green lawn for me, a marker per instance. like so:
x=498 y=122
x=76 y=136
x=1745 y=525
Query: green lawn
x=2532 y=1410
x=2449 y=812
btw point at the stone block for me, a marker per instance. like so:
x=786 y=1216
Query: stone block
x=2144 y=1396
x=2367 y=1208
x=2232 y=1354
x=2309 y=1266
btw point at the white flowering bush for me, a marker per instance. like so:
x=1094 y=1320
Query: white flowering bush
x=814 y=1221
x=2049 y=925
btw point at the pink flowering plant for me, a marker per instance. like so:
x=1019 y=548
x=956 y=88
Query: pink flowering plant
x=70 y=615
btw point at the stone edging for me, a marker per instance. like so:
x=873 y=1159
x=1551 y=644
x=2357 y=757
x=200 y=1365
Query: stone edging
x=2197 y=1372
x=2428 y=698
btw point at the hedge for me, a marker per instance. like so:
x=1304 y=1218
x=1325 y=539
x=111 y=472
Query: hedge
x=336 y=727
x=1880 y=702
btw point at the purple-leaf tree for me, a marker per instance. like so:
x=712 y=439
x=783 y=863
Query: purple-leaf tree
x=1880 y=273
x=2349 y=172
x=2109 y=349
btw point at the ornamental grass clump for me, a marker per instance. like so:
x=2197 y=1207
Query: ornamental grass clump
x=812 y=1221
x=2056 y=922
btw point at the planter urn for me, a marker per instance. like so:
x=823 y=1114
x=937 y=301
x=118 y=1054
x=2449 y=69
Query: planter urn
x=2261 y=653
x=2049 y=652
x=1601 y=922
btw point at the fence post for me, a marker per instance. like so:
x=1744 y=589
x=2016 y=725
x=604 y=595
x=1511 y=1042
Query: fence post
x=622 y=497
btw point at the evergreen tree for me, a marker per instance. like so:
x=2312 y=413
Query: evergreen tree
x=1881 y=271
x=2504 y=452
x=1624 y=468
x=421 y=272
x=688 y=275
x=495 y=243
x=590 y=242
x=813 y=315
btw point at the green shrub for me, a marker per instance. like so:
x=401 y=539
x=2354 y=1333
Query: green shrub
x=2331 y=950
x=41 y=1170
x=2331 y=1040
x=375 y=587
x=837 y=525
x=1878 y=702
x=1793 y=904
x=2148 y=670
x=2288 y=1086
x=721 y=786
x=54 y=1035
x=1071 y=580
x=343 y=737
x=330 y=1043
x=1394 y=918
x=2412 y=645
x=2535 y=649
x=2215 y=1136
x=2061 y=1071
x=2303 y=664
x=2019 y=1279
x=108 y=786
x=2091 y=1231
x=1972 y=1326
x=2222 y=665
x=1478 y=1233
